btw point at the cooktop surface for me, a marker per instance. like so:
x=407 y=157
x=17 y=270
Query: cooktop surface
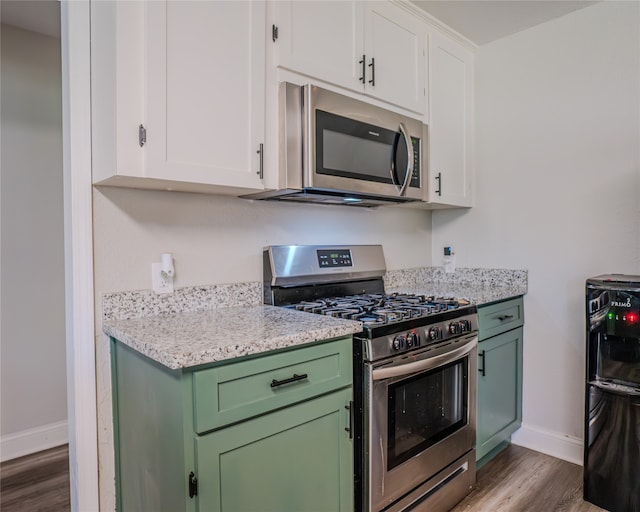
x=380 y=308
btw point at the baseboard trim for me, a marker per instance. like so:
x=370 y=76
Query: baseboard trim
x=33 y=440
x=558 y=445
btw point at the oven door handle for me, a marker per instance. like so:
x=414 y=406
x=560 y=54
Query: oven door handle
x=424 y=364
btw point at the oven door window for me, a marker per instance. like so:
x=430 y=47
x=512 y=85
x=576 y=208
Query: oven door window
x=424 y=409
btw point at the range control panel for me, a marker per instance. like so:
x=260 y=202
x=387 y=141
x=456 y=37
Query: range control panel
x=332 y=258
x=407 y=340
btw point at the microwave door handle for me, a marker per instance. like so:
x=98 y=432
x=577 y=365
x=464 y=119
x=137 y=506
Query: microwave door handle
x=407 y=141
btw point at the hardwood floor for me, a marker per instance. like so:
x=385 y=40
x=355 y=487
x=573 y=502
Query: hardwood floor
x=36 y=483
x=517 y=480
x=521 y=480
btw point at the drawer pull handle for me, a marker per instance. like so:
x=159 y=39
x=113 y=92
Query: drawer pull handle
x=275 y=383
x=349 y=429
x=484 y=364
x=505 y=317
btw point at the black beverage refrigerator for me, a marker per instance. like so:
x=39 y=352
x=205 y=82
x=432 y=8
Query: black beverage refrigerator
x=612 y=393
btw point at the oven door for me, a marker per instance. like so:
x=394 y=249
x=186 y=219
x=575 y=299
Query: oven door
x=419 y=419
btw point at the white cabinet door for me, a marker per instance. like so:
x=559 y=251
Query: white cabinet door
x=394 y=49
x=322 y=39
x=205 y=92
x=117 y=90
x=450 y=122
x=374 y=48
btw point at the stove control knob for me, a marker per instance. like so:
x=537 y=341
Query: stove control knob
x=413 y=339
x=454 y=328
x=434 y=333
x=399 y=342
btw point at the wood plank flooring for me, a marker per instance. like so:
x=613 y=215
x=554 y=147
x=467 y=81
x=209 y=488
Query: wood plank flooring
x=521 y=480
x=36 y=483
x=517 y=480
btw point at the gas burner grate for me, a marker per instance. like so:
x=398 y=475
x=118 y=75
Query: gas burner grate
x=375 y=309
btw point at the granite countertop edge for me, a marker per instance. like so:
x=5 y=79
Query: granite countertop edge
x=185 y=340
x=478 y=294
x=191 y=337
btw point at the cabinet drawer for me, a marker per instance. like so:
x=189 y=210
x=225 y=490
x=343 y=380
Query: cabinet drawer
x=237 y=391
x=500 y=317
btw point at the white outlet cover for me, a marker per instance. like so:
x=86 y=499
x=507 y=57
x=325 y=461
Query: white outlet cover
x=160 y=284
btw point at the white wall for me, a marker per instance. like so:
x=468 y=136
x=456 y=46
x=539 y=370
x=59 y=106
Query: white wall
x=557 y=192
x=33 y=378
x=219 y=239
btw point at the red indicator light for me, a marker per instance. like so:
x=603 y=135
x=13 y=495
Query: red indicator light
x=632 y=317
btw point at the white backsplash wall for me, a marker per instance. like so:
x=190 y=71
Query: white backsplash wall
x=218 y=240
x=557 y=192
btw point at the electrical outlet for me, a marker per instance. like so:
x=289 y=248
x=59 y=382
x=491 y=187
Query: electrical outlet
x=160 y=283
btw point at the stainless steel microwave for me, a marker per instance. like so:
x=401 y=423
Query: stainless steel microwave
x=336 y=149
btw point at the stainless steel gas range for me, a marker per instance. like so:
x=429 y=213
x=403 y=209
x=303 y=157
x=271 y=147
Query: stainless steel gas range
x=415 y=374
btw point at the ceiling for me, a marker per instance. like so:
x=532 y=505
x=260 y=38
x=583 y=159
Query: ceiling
x=42 y=16
x=483 y=21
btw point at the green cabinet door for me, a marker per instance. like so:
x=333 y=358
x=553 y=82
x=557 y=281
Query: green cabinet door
x=282 y=461
x=499 y=390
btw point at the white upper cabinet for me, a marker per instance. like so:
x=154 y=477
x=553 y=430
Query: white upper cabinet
x=203 y=92
x=395 y=54
x=181 y=88
x=117 y=91
x=206 y=91
x=375 y=48
x=450 y=122
x=322 y=39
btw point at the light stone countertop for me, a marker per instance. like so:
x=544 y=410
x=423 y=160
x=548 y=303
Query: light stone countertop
x=478 y=294
x=184 y=340
x=480 y=286
x=208 y=324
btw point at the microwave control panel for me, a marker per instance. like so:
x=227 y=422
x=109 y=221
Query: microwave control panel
x=415 y=176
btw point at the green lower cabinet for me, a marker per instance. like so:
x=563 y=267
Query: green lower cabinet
x=297 y=459
x=254 y=438
x=499 y=391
